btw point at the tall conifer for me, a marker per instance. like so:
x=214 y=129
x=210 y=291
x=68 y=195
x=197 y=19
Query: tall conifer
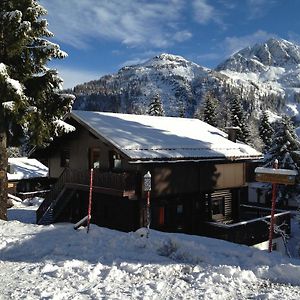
x=30 y=102
x=266 y=131
x=238 y=119
x=210 y=110
x=284 y=143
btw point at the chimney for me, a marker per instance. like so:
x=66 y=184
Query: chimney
x=232 y=133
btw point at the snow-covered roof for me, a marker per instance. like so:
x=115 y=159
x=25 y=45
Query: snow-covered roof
x=276 y=171
x=143 y=137
x=25 y=168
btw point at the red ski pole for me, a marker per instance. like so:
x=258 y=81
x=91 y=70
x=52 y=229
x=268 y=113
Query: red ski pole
x=90 y=201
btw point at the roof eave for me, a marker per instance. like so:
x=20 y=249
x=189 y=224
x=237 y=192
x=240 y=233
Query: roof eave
x=195 y=159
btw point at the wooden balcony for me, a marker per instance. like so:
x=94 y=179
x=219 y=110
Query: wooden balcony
x=122 y=184
x=251 y=230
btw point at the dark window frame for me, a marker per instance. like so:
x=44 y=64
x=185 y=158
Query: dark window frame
x=65 y=157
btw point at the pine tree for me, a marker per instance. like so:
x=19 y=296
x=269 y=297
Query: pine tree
x=266 y=131
x=238 y=119
x=30 y=101
x=284 y=142
x=210 y=110
x=155 y=107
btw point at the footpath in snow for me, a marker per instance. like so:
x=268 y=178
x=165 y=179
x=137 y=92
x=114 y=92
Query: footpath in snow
x=57 y=262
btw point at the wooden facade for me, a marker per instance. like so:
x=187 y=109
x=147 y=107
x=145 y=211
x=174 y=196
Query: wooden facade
x=186 y=196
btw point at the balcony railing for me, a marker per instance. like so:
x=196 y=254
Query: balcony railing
x=249 y=231
x=121 y=181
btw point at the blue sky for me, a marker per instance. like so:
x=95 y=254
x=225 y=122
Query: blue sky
x=101 y=36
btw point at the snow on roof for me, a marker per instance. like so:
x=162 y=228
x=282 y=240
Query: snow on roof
x=143 y=137
x=276 y=171
x=25 y=168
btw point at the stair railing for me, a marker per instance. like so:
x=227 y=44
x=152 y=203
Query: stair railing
x=51 y=196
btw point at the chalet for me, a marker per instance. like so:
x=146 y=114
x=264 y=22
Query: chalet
x=199 y=176
x=26 y=176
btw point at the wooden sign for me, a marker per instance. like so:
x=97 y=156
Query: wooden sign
x=2 y=174
x=279 y=176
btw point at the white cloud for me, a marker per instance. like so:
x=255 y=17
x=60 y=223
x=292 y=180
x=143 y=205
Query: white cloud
x=139 y=58
x=72 y=76
x=181 y=36
x=234 y=44
x=134 y=61
x=133 y=23
x=258 y=8
x=205 y=13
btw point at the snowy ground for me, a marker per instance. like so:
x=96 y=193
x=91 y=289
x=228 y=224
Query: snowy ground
x=57 y=262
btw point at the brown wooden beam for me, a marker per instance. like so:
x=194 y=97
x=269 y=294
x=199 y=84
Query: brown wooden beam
x=103 y=190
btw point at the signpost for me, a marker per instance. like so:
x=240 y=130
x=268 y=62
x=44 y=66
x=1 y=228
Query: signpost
x=275 y=176
x=90 y=201
x=147 y=188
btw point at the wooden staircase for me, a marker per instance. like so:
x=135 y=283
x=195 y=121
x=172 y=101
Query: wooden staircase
x=45 y=211
x=56 y=207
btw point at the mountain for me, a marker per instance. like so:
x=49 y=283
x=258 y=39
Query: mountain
x=265 y=76
x=273 y=66
x=179 y=82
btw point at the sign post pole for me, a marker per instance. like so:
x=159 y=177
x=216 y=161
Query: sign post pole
x=274 y=186
x=147 y=188
x=90 y=201
x=275 y=176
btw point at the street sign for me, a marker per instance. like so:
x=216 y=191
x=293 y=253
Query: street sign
x=280 y=176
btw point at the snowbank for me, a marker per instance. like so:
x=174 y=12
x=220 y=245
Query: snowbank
x=58 y=262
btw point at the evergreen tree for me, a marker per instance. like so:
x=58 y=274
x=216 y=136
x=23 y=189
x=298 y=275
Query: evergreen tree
x=238 y=119
x=30 y=102
x=266 y=131
x=155 y=107
x=284 y=142
x=210 y=110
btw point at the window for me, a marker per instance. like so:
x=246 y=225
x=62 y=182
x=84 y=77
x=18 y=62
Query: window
x=217 y=206
x=65 y=158
x=179 y=209
x=115 y=162
x=94 y=160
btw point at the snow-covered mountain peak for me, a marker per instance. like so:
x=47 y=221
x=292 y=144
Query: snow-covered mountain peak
x=169 y=57
x=273 y=67
x=258 y=58
x=170 y=61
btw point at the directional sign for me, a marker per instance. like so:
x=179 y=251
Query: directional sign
x=280 y=176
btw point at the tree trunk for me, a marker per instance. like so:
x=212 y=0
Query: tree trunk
x=3 y=175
